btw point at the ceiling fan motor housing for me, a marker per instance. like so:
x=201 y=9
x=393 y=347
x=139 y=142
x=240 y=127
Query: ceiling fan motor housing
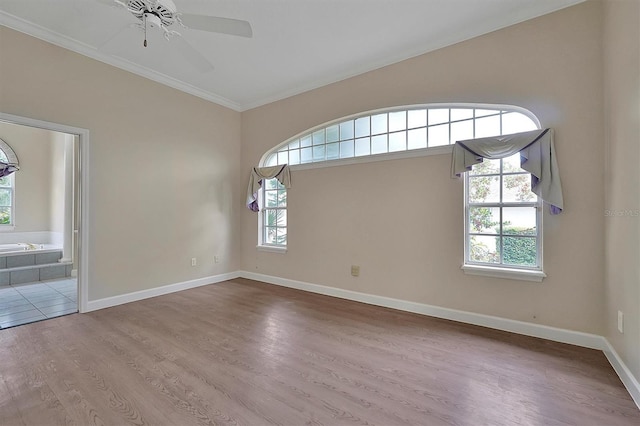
x=158 y=12
x=153 y=20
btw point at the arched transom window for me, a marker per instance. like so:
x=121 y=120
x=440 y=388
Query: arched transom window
x=399 y=129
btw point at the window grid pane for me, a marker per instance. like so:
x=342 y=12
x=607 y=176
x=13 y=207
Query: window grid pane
x=440 y=127
x=502 y=216
x=5 y=216
x=274 y=213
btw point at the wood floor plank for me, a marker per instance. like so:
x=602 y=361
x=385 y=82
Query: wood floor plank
x=9 y=412
x=34 y=401
x=248 y=353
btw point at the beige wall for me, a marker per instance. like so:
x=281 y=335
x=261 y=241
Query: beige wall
x=33 y=181
x=622 y=95
x=402 y=220
x=164 y=176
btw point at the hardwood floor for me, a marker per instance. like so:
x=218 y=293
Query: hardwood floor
x=247 y=353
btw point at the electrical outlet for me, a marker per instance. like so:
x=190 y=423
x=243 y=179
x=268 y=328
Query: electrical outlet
x=355 y=270
x=216 y=259
x=194 y=261
x=620 y=322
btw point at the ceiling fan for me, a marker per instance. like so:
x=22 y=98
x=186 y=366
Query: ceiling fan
x=163 y=15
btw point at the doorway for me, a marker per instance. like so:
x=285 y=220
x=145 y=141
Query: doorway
x=43 y=268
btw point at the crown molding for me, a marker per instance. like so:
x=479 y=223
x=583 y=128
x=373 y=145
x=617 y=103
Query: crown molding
x=73 y=45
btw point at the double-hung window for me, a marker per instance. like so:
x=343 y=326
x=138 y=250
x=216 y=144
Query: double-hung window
x=503 y=220
x=6 y=200
x=272 y=222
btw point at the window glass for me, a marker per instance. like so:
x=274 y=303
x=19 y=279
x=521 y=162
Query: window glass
x=502 y=216
x=333 y=134
x=397 y=141
x=437 y=116
x=7 y=187
x=439 y=135
x=346 y=130
x=417 y=138
x=417 y=118
x=379 y=144
x=274 y=214
x=346 y=149
x=400 y=129
x=362 y=127
x=379 y=124
x=397 y=121
x=363 y=147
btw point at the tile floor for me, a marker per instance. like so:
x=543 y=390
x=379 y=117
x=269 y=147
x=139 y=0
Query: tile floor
x=25 y=303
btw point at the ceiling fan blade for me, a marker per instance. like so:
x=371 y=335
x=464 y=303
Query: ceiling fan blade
x=108 y=44
x=191 y=55
x=112 y=3
x=216 y=24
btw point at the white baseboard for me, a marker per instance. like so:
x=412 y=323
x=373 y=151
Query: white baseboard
x=629 y=381
x=577 y=338
x=528 y=329
x=107 y=302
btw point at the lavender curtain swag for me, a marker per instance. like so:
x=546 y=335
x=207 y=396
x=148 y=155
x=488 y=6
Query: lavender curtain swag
x=537 y=156
x=258 y=174
x=7 y=168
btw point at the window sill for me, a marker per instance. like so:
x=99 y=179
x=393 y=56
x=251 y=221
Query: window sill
x=7 y=228
x=272 y=249
x=514 y=274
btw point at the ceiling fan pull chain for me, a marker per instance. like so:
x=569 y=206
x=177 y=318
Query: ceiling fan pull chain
x=145 y=30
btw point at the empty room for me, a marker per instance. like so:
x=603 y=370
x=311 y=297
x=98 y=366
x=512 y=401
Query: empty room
x=320 y=212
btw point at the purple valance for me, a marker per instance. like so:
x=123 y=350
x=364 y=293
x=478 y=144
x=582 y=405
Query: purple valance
x=537 y=156
x=7 y=168
x=258 y=174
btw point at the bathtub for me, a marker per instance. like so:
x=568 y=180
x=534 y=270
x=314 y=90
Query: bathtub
x=22 y=248
x=21 y=242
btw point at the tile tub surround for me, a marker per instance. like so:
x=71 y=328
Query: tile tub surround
x=25 y=303
x=32 y=265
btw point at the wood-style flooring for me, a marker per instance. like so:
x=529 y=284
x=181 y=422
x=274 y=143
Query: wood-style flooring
x=247 y=353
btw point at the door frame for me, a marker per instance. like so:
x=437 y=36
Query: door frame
x=83 y=189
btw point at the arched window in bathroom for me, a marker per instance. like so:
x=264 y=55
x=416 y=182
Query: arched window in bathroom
x=8 y=165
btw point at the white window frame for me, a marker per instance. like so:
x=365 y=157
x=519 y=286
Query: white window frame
x=11 y=158
x=12 y=208
x=262 y=228
x=409 y=153
x=502 y=270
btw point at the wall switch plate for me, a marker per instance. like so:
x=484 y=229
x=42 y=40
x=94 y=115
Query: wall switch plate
x=194 y=261
x=620 y=322
x=355 y=270
x=216 y=259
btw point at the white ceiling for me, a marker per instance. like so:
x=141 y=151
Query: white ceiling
x=297 y=45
